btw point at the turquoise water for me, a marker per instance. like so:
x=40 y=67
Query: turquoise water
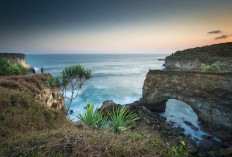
x=115 y=77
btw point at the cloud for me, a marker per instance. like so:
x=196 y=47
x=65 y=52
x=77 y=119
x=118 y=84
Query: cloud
x=215 y=32
x=221 y=37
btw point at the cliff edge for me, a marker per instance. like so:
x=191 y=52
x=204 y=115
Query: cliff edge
x=16 y=58
x=34 y=86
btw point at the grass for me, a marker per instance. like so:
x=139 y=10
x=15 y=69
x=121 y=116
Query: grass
x=69 y=141
x=29 y=129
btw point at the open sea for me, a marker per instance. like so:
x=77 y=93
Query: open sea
x=115 y=77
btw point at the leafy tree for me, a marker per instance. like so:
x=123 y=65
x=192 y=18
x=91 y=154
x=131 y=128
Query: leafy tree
x=72 y=78
x=212 y=68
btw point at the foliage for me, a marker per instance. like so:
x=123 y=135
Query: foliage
x=72 y=78
x=181 y=151
x=207 y=54
x=4 y=67
x=213 y=68
x=93 y=117
x=18 y=69
x=121 y=119
x=7 y=69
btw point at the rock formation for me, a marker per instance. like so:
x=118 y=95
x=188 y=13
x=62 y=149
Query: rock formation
x=209 y=94
x=36 y=87
x=16 y=58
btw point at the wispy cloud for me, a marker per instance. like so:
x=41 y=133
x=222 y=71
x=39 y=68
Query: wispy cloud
x=215 y=32
x=221 y=37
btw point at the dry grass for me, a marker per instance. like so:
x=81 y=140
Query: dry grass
x=30 y=129
x=70 y=141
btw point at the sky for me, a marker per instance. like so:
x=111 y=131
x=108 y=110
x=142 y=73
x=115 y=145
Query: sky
x=112 y=26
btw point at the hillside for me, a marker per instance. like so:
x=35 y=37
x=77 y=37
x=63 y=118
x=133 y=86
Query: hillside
x=199 y=57
x=30 y=126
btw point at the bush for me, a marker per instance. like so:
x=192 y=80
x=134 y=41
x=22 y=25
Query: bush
x=213 y=68
x=4 y=67
x=7 y=69
x=121 y=119
x=18 y=69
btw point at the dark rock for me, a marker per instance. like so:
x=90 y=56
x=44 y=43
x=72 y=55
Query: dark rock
x=191 y=125
x=208 y=94
x=109 y=106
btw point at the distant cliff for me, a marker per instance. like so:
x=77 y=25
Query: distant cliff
x=34 y=86
x=200 y=57
x=209 y=94
x=15 y=58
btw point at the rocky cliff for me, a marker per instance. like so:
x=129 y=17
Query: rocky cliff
x=34 y=86
x=200 y=57
x=15 y=58
x=209 y=94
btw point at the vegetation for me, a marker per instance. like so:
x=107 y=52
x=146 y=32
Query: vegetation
x=206 y=54
x=7 y=69
x=92 y=117
x=213 y=68
x=72 y=78
x=181 y=151
x=121 y=119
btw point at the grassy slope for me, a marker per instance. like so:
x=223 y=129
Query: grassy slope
x=208 y=54
x=29 y=129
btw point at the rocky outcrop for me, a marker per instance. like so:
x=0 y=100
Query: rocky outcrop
x=35 y=86
x=209 y=94
x=16 y=58
x=196 y=64
x=200 y=57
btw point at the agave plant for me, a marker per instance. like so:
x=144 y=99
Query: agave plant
x=93 y=117
x=120 y=119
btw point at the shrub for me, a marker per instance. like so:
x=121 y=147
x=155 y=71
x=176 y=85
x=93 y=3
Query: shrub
x=18 y=69
x=121 y=119
x=92 y=117
x=4 y=67
x=7 y=69
x=212 y=68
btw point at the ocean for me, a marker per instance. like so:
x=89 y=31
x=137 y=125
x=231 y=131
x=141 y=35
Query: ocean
x=117 y=77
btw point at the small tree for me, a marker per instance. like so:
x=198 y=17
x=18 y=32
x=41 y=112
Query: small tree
x=72 y=78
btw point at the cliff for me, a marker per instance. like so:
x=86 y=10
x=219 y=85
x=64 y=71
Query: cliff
x=200 y=57
x=15 y=58
x=34 y=86
x=209 y=95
